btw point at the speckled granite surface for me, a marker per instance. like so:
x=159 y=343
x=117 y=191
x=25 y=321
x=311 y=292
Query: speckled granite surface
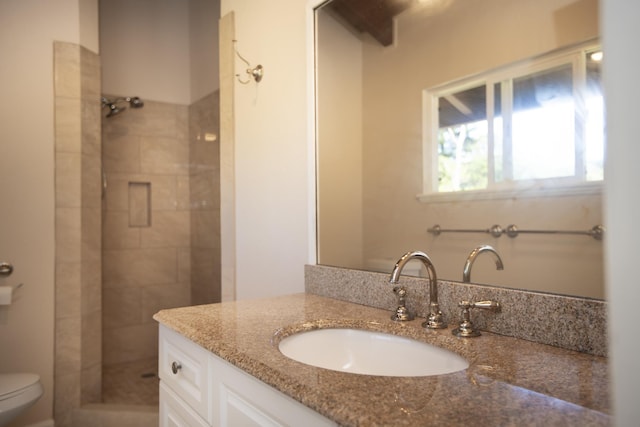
x=509 y=381
x=567 y=322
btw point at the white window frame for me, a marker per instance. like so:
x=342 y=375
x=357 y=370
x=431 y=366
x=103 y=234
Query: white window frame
x=573 y=185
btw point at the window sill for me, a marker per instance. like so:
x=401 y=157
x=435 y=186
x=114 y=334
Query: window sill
x=586 y=189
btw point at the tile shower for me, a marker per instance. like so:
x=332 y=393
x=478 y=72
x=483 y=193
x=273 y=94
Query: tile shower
x=159 y=232
x=159 y=246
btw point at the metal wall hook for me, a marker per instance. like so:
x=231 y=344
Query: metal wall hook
x=6 y=269
x=256 y=72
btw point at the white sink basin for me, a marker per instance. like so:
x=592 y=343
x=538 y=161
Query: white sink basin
x=371 y=353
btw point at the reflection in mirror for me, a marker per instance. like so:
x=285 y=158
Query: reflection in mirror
x=486 y=133
x=381 y=183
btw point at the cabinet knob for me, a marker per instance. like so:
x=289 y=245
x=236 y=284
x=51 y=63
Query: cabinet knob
x=175 y=367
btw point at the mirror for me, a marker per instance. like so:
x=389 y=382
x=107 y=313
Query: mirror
x=378 y=63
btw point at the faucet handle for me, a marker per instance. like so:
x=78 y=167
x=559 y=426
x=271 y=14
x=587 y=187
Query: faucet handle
x=466 y=328
x=485 y=305
x=402 y=313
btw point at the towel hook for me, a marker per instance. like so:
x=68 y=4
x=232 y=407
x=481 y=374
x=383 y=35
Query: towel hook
x=256 y=72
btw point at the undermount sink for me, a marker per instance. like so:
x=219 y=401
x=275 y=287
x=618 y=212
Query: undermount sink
x=366 y=352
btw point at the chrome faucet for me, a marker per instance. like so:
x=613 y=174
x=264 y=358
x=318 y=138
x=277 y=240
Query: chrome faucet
x=435 y=319
x=466 y=271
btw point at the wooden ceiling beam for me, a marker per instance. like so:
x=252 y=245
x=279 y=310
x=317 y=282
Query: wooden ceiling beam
x=372 y=16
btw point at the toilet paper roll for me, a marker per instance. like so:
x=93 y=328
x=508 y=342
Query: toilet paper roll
x=5 y=295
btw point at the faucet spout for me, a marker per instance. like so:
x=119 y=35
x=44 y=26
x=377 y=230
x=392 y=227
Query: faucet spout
x=435 y=319
x=466 y=271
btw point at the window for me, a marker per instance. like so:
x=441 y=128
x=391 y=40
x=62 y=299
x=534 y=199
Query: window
x=532 y=125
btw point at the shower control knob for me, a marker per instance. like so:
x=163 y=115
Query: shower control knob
x=175 y=367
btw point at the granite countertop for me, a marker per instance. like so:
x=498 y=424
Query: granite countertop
x=509 y=381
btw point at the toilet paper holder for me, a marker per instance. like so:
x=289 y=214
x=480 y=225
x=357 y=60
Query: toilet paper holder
x=6 y=294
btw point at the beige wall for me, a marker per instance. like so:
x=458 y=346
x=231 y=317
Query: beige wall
x=161 y=50
x=203 y=43
x=27 y=176
x=145 y=49
x=272 y=155
x=339 y=116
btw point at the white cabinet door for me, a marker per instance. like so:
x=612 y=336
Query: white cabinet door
x=184 y=366
x=244 y=401
x=175 y=413
x=206 y=390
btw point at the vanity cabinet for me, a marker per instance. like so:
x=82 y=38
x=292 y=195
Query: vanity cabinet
x=198 y=388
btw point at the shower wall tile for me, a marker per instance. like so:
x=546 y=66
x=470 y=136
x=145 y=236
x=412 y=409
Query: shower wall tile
x=68 y=233
x=204 y=117
x=165 y=194
x=117 y=192
x=130 y=343
x=90 y=115
x=184 y=265
x=139 y=204
x=149 y=267
x=206 y=230
x=67 y=176
x=91 y=285
x=156 y=298
x=90 y=76
x=158 y=120
x=91 y=232
x=137 y=267
x=91 y=382
x=183 y=192
x=120 y=153
x=117 y=233
x=168 y=192
x=68 y=124
x=152 y=268
x=164 y=155
x=163 y=120
x=77 y=225
x=169 y=229
x=91 y=179
x=155 y=119
x=202 y=269
x=121 y=306
x=204 y=149
x=67 y=395
x=91 y=341
x=68 y=344
x=206 y=153
x=116 y=196
x=68 y=290
x=203 y=192
x=205 y=272
x=66 y=70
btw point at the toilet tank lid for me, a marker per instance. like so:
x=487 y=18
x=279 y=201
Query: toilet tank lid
x=10 y=383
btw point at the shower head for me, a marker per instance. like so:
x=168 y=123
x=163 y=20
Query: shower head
x=114 y=108
x=135 y=102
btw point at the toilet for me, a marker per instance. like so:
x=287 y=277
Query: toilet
x=17 y=393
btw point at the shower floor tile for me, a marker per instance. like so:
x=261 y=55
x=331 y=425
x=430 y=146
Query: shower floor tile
x=131 y=383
